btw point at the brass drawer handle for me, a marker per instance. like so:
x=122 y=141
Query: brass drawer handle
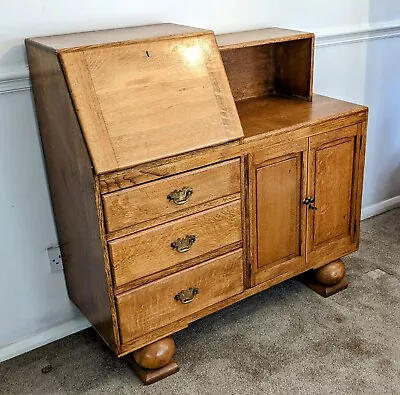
x=185 y=244
x=180 y=196
x=186 y=296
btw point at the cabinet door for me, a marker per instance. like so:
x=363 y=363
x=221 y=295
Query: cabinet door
x=333 y=183
x=277 y=215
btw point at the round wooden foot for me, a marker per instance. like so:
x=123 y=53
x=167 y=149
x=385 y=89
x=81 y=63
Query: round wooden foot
x=331 y=274
x=155 y=355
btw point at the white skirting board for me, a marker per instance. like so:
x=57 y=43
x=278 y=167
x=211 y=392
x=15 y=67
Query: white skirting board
x=380 y=208
x=42 y=338
x=78 y=324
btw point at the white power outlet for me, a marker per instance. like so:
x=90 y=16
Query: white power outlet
x=56 y=264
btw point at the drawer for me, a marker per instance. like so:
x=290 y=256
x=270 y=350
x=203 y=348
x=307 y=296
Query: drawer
x=156 y=304
x=138 y=204
x=150 y=251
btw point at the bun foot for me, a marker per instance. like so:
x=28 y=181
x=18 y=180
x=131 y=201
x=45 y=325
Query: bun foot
x=327 y=280
x=331 y=274
x=154 y=361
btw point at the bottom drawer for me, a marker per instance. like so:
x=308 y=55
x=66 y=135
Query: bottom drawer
x=161 y=302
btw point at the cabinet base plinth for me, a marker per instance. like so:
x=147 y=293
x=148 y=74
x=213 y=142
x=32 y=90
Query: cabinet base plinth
x=323 y=290
x=150 y=376
x=326 y=280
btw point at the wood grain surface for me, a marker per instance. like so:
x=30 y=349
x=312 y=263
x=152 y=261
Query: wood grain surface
x=152 y=99
x=321 y=115
x=361 y=149
x=111 y=37
x=261 y=117
x=278 y=182
x=74 y=196
x=282 y=68
x=149 y=201
x=333 y=180
x=259 y=37
x=216 y=280
x=251 y=71
x=150 y=251
x=295 y=68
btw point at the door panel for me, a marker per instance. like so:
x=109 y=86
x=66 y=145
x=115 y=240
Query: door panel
x=333 y=184
x=278 y=196
x=333 y=168
x=278 y=214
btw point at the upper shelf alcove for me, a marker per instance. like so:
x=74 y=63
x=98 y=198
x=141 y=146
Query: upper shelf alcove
x=268 y=62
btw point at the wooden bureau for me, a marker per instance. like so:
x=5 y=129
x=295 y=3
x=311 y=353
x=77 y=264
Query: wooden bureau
x=188 y=172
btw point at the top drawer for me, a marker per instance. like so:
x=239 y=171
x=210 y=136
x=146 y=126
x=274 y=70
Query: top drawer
x=138 y=204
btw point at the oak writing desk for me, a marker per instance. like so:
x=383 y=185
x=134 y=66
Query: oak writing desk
x=188 y=172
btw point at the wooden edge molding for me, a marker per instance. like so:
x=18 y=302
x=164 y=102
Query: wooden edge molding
x=129 y=42
x=252 y=43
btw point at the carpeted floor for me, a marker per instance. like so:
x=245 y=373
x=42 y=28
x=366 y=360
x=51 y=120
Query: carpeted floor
x=287 y=340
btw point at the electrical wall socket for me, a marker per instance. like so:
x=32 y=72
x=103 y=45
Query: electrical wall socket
x=55 y=259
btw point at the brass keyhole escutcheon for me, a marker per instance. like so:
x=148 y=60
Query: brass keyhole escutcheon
x=180 y=196
x=186 y=296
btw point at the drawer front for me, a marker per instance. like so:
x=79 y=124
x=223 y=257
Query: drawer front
x=156 y=304
x=150 y=251
x=149 y=201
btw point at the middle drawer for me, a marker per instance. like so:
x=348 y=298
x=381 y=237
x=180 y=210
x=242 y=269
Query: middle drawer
x=162 y=247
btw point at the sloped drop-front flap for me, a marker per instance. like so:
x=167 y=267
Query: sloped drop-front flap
x=139 y=102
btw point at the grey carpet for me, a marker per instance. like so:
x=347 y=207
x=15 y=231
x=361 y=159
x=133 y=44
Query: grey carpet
x=286 y=340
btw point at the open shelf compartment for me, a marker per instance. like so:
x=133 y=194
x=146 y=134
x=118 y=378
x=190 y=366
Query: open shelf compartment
x=268 y=62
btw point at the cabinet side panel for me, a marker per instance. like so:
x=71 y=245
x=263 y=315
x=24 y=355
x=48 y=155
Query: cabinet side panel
x=362 y=131
x=294 y=74
x=73 y=194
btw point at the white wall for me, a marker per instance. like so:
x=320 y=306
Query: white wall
x=357 y=59
x=24 y=18
x=368 y=72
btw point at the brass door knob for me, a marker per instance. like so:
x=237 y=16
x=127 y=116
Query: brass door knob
x=180 y=196
x=186 y=296
x=185 y=244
